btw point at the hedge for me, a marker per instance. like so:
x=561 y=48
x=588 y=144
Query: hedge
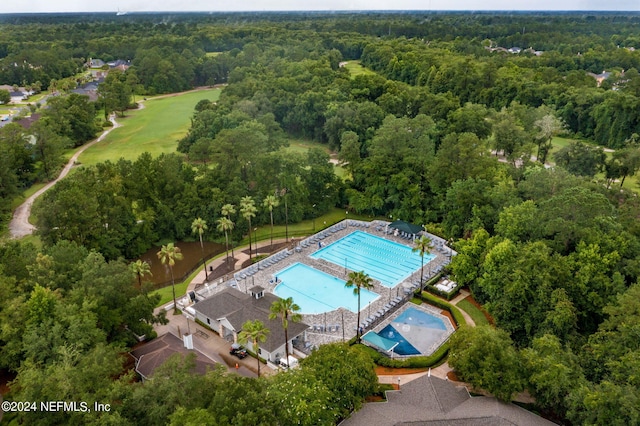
x=411 y=362
x=435 y=301
x=431 y=288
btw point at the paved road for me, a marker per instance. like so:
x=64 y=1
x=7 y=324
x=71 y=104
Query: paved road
x=19 y=226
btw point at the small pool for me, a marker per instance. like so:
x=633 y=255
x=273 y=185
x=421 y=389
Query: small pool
x=384 y=260
x=404 y=347
x=416 y=332
x=317 y=292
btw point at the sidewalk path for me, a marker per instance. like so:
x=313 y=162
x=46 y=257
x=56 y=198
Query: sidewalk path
x=461 y=296
x=19 y=226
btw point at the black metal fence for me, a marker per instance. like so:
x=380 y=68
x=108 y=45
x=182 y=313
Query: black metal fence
x=276 y=235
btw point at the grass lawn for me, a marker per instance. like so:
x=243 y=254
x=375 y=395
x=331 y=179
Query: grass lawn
x=355 y=68
x=155 y=129
x=212 y=54
x=476 y=314
x=26 y=194
x=305 y=227
x=631 y=182
x=301 y=146
x=166 y=295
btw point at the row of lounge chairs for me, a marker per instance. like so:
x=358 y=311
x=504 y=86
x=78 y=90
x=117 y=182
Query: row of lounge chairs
x=272 y=260
x=320 y=328
x=321 y=235
x=380 y=313
x=358 y=223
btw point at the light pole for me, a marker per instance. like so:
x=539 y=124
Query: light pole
x=255 y=236
x=314 y=217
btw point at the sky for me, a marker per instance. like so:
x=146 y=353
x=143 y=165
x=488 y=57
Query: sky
x=38 y=6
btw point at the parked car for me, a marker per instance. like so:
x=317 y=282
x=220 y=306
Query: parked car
x=238 y=351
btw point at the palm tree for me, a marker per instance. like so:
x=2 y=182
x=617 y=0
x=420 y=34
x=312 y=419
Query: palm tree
x=199 y=225
x=286 y=310
x=423 y=245
x=248 y=210
x=140 y=268
x=228 y=210
x=270 y=202
x=168 y=255
x=225 y=225
x=359 y=280
x=254 y=332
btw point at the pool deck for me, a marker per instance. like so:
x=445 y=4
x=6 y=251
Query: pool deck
x=339 y=324
x=426 y=346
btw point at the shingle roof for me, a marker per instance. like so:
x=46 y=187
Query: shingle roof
x=238 y=308
x=431 y=401
x=153 y=354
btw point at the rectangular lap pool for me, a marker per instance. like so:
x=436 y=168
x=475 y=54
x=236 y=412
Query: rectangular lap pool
x=317 y=292
x=384 y=260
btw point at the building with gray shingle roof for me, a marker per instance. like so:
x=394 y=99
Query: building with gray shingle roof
x=430 y=401
x=227 y=311
x=153 y=354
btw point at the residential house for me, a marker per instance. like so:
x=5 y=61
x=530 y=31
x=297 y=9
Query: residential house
x=18 y=96
x=95 y=63
x=120 y=64
x=227 y=311
x=429 y=401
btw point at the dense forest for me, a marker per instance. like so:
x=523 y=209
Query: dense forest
x=445 y=127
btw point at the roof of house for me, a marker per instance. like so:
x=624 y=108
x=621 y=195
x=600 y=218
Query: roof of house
x=430 y=401
x=153 y=354
x=27 y=122
x=237 y=308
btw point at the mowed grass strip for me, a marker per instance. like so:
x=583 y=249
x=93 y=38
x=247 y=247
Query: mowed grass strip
x=155 y=129
x=476 y=314
x=355 y=68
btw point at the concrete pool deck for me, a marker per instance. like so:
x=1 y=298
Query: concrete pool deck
x=339 y=324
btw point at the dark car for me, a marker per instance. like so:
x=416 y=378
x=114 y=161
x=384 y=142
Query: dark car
x=238 y=351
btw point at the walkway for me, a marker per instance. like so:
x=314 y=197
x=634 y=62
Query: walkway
x=19 y=226
x=461 y=296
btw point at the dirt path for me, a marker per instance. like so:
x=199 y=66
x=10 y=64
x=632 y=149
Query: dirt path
x=19 y=226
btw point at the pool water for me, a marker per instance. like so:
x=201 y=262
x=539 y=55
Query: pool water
x=404 y=347
x=384 y=260
x=317 y=292
x=417 y=332
x=418 y=318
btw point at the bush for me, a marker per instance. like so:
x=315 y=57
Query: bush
x=412 y=362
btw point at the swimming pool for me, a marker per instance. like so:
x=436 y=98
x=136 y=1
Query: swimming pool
x=416 y=332
x=384 y=260
x=317 y=292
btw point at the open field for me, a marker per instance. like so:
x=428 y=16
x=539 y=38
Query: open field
x=355 y=69
x=302 y=146
x=631 y=182
x=155 y=129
